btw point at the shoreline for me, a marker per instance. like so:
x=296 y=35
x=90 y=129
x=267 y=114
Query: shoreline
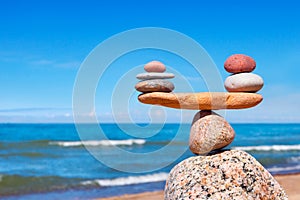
x=289 y=182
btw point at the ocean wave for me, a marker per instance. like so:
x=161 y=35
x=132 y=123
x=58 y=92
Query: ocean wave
x=294 y=159
x=23 y=154
x=128 y=142
x=284 y=169
x=270 y=148
x=23 y=144
x=130 y=180
x=17 y=184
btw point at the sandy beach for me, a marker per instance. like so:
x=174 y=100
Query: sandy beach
x=289 y=182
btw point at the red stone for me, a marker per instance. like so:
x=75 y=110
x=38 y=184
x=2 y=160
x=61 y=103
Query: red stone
x=239 y=63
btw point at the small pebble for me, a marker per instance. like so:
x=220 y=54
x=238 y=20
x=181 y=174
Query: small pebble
x=155 y=66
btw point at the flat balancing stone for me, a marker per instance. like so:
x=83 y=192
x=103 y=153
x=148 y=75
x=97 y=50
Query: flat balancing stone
x=155 y=85
x=202 y=100
x=154 y=75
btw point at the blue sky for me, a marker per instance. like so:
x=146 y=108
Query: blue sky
x=42 y=45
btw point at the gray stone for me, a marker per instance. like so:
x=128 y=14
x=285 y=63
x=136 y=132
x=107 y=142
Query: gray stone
x=155 y=85
x=209 y=132
x=243 y=82
x=225 y=175
x=155 y=75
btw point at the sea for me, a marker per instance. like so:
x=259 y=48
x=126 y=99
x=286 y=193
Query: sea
x=50 y=161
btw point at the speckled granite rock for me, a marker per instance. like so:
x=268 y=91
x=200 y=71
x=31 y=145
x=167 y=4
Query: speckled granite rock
x=209 y=131
x=226 y=175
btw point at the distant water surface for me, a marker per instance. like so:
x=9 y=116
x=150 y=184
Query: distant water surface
x=49 y=160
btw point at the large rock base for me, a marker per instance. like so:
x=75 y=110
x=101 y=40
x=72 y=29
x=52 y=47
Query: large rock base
x=229 y=174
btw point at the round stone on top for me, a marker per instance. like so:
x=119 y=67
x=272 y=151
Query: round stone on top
x=239 y=63
x=155 y=66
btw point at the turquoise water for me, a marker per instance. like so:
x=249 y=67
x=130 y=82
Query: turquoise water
x=49 y=160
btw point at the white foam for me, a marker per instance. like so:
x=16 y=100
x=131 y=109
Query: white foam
x=294 y=159
x=283 y=169
x=99 y=143
x=269 y=148
x=130 y=180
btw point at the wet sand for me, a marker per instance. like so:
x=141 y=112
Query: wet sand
x=290 y=183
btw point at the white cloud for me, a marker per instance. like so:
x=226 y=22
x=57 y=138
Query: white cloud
x=34 y=60
x=71 y=64
x=56 y=64
x=67 y=115
x=283 y=108
x=36 y=115
x=194 y=78
x=279 y=108
x=42 y=62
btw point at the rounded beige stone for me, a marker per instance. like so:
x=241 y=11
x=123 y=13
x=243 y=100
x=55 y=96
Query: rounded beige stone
x=243 y=82
x=209 y=132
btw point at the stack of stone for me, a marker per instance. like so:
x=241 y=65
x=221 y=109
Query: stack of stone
x=154 y=80
x=222 y=174
x=211 y=131
x=217 y=173
x=242 y=80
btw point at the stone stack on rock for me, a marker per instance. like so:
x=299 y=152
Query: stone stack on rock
x=215 y=173
x=154 y=80
x=210 y=131
x=242 y=80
